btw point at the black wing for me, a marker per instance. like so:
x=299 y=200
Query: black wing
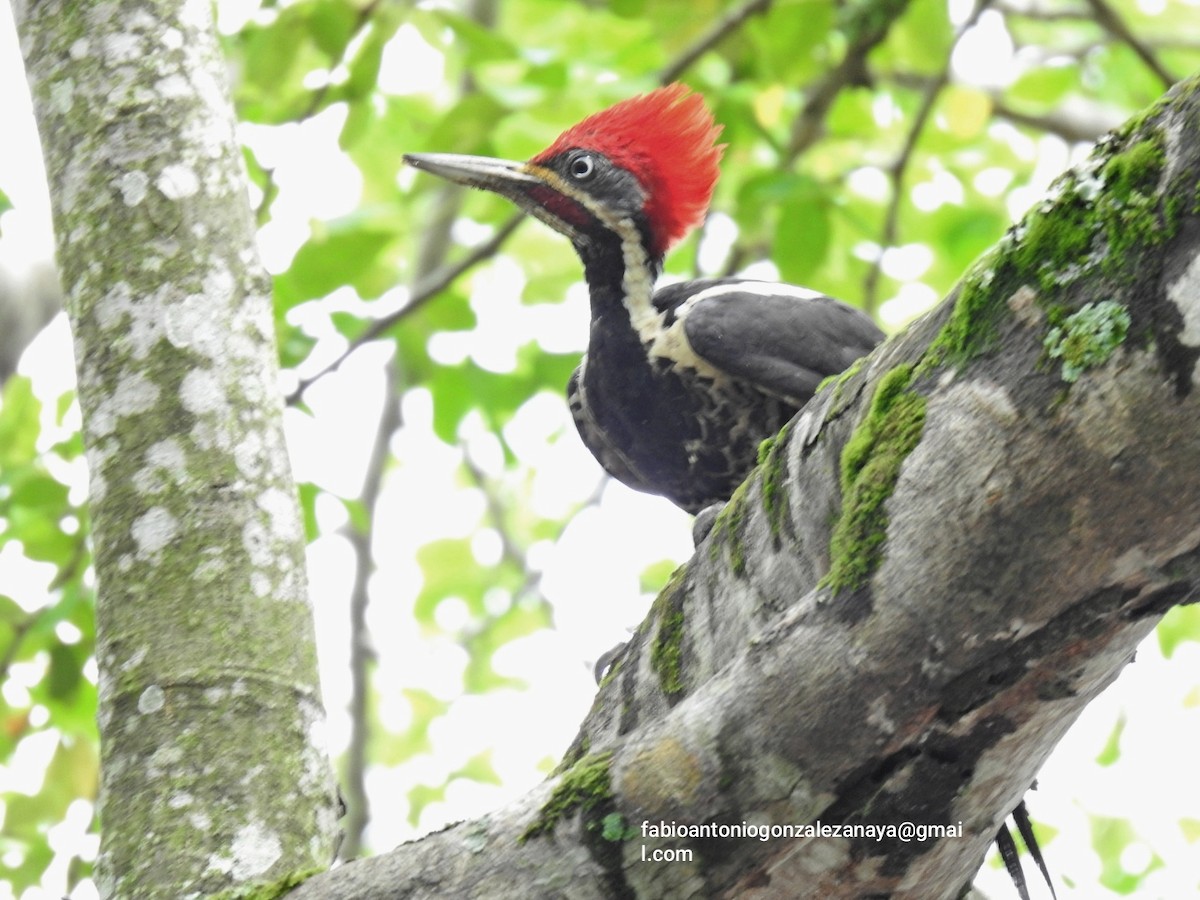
x=783 y=339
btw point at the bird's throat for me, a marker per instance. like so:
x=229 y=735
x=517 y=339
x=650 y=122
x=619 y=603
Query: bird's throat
x=621 y=273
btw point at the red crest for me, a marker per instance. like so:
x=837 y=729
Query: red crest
x=667 y=139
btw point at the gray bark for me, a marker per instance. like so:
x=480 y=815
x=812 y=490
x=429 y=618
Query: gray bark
x=213 y=770
x=1043 y=523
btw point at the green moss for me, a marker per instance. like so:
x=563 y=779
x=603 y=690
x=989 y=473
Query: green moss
x=764 y=450
x=611 y=673
x=666 y=650
x=1100 y=216
x=1129 y=210
x=1136 y=170
x=579 y=748
x=973 y=321
x=586 y=786
x=727 y=530
x=614 y=828
x=870 y=466
x=773 y=465
x=1054 y=238
x=1088 y=337
x=841 y=377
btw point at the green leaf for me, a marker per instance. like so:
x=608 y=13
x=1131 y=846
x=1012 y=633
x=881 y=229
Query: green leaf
x=521 y=619
x=344 y=252
x=802 y=239
x=785 y=43
x=65 y=671
x=1181 y=623
x=920 y=40
x=1112 y=747
x=42 y=539
x=273 y=60
x=308 y=508
x=478 y=768
x=19 y=422
x=1045 y=87
x=1190 y=829
x=331 y=24
x=480 y=44
x=655 y=575
x=420 y=796
x=391 y=749
x=450 y=570
x=294 y=345
x=364 y=67
x=967 y=111
x=1110 y=837
x=360 y=521
x=35 y=489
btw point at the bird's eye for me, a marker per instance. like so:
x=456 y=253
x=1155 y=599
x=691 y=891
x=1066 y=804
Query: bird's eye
x=582 y=168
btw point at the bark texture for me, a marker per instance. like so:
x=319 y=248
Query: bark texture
x=214 y=772
x=937 y=566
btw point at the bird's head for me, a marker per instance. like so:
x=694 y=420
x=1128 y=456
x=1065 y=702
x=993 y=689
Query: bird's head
x=651 y=160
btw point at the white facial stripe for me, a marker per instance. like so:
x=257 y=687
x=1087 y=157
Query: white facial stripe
x=668 y=342
x=638 y=287
x=638 y=282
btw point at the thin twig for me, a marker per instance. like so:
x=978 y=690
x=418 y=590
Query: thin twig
x=899 y=167
x=432 y=249
x=316 y=100
x=721 y=30
x=1111 y=22
x=424 y=291
x=510 y=547
x=851 y=70
x=362 y=653
x=1072 y=128
x=1084 y=122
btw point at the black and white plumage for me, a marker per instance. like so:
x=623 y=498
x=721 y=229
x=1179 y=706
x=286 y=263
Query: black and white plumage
x=683 y=416
x=680 y=385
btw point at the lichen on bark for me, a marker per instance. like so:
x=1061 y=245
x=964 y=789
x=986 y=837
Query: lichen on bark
x=203 y=624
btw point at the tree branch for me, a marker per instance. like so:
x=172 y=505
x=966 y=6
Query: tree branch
x=867 y=27
x=362 y=653
x=1016 y=508
x=1112 y=22
x=719 y=31
x=425 y=290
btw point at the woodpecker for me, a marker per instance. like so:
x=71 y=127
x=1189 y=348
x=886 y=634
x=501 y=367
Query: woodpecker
x=679 y=385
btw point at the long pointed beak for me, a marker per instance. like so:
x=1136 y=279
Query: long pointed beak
x=499 y=175
x=537 y=190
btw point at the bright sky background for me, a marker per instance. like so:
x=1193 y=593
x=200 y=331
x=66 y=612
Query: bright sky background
x=596 y=596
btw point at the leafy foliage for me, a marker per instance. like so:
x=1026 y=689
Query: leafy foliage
x=47 y=634
x=869 y=155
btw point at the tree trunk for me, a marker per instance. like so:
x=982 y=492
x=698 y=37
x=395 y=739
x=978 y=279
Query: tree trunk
x=214 y=772
x=942 y=560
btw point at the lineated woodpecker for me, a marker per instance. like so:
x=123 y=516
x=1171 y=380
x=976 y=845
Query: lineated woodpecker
x=679 y=385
